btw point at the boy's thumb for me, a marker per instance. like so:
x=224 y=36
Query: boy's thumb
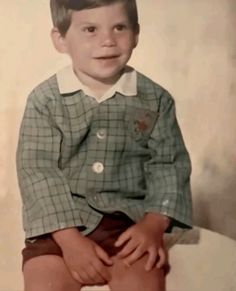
x=103 y=255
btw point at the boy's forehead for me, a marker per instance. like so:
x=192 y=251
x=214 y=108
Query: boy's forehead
x=80 y=4
x=113 y=12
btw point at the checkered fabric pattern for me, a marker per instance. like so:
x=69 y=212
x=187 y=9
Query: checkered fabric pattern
x=78 y=159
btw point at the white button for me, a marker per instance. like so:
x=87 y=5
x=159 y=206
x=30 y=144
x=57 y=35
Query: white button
x=165 y=202
x=98 y=167
x=101 y=134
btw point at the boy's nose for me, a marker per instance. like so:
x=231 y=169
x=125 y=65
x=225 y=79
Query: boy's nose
x=108 y=39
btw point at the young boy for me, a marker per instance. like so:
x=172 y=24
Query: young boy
x=102 y=166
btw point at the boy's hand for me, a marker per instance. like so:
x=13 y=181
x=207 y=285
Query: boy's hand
x=86 y=261
x=145 y=236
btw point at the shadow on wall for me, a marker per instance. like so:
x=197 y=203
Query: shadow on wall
x=215 y=205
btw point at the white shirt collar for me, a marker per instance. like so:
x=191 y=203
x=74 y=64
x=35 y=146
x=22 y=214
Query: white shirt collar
x=69 y=83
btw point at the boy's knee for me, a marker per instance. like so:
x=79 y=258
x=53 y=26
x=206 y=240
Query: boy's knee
x=48 y=273
x=135 y=278
x=137 y=284
x=52 y=286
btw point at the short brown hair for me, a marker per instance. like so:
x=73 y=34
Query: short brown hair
x=61 y=11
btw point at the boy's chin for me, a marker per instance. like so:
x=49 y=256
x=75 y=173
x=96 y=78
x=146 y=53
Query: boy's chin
x=108 y=77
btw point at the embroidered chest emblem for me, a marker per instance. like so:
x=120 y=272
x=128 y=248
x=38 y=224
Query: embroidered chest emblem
x=142 y=124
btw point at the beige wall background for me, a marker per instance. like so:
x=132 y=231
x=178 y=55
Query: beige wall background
x=188 y=46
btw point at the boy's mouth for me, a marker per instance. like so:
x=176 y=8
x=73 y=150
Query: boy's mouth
x=107 y=57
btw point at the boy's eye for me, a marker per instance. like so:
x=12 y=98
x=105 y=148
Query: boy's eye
x=90 y=29
x=120 y=27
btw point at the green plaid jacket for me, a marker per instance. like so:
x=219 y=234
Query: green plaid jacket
x=78 y=159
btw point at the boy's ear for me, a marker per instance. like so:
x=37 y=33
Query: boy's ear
x=58 y=40
x=136 y=38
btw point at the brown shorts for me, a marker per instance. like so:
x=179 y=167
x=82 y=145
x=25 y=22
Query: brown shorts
x=105 y=235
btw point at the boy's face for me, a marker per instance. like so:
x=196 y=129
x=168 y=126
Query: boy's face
x=100 y=42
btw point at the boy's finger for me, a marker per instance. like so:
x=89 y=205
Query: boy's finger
x=134 y=256
x=99 y=272
x=77 y=277
x=103 y=255
x=92 y=275
x=127 y=249
x=84 y=276
x=126 y=235
x=103 y=273
x=162 y=258
x=152 y=257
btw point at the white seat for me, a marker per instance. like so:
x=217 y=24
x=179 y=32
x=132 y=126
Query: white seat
x=208 y=265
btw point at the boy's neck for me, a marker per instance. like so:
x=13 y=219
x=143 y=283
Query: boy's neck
x=98 y=87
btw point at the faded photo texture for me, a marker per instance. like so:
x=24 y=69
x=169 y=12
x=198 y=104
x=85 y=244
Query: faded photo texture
x=187 y=46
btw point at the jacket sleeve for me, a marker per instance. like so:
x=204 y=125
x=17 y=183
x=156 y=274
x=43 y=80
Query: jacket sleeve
x=47 y=201
x=168 y=171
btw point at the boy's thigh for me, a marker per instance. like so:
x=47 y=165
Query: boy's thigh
x=135 y=278
x=48 y=273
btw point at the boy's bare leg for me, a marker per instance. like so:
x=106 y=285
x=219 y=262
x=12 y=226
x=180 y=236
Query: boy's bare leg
x=135 y=278
x=48 y=273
